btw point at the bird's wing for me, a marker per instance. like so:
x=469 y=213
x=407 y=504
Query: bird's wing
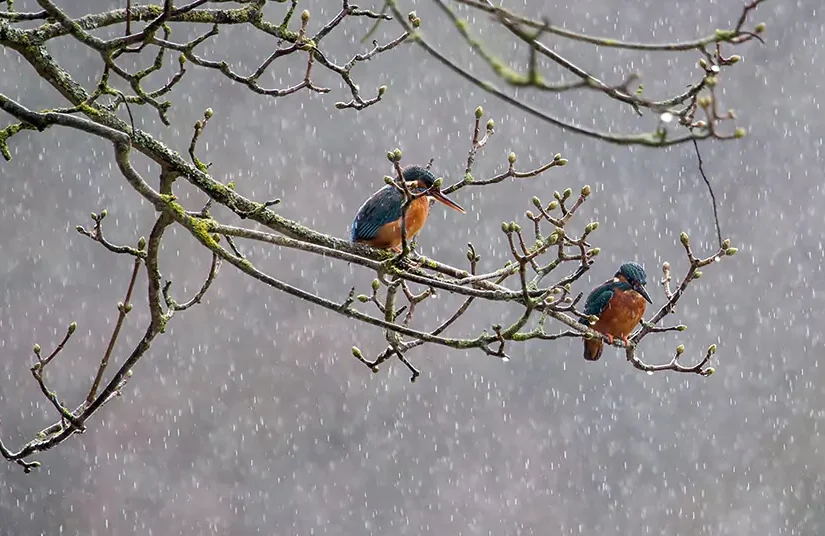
x=383 y=207
x=598 y=299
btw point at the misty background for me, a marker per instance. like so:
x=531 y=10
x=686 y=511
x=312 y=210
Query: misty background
x=250 y=415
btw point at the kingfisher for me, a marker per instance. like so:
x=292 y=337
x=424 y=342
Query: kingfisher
x=619 y=303
x=378 y=222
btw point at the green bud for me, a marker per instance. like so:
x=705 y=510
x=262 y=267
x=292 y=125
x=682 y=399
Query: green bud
x=697 y=275
x=553 y=239
x=36 y=349
x=557 y=157
x=376 y=284
x=479 y=112
x=104 y=213
x=709 y=371
x=529 y=214
x=561 y=162
x=586 y=190
x=120 y=306
x=553 y=205
x=592 y=226
x=491 y=124
x=726 y=243
x=357 y=352
x=680 y=349
x=536 y=201
x=515 y=227
x=730 y=252
x=739 y=133
x=511 y=158
x=416 y=22
x=95 y=217
x=388 y=179
x=710 y=81
x=128 y=308
x=412 y=15
x=759 y=28
x=340 y=105
x=181 y=60
x=208 y=113
x=684 y=238
x=505 y=227
x=72 y=327
x=594 y=252
x=705 y=101
x=305 y=16
x=382 y=90
x=470 y=256
x=703 y=63
x=79 y=229
x=712 y=349
x=735 y=58
x=567 y=193
x=363 y=298
x=557 y=195
x=438 y=182
x=141 y=242
x=397 y=154
x=681 y=327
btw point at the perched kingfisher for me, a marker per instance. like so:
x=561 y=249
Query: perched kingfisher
x=619 y=303
x=378 y=222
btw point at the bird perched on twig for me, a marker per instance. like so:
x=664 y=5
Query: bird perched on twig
x=619 y=303
x=378 y=222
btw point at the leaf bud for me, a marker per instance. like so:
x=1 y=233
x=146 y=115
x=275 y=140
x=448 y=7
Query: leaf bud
x=357 y=352
x=710 y=81
x=127 y=308
x=684 y=238
x=680 y=349
x=731 y=251
x=594 y=252
x=382 y=90
x=141 y=242
x=363 y=298
x=208 y=114
x=536 y=201
x=72 y=327
x=491 y=124
x=182 y=60
x=592 y=226
x=561 y=162
x=557 y=195
x=709 y=371
x=104 y=213
x=79 y=229
x=376 y=284
x=586 y=190
x=515 y=227
x=726 y=243
x=479 y=112
x=697 y=275
x=529 y=214
x=712 y=349
x=759 y=28
x=397 y=154
x=505 y=227
x=36 y=349
x=703 y=63
x=553 y=205
x=705 y=101
x=739 y=133
x=567 y=193
x=305 y=16
x=556 y=157
x=388 y=179
x=681 y=327
x=736 y=58
x=511 y=158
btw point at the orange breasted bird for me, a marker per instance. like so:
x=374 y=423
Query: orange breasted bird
x=378 y=222
x=619 y=303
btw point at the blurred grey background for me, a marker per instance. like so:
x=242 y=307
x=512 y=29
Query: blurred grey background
x=251 y=416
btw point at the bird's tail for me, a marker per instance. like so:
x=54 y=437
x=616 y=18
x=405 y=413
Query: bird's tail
x=593 y=349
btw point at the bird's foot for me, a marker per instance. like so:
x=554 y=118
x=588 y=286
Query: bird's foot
x=626 y=340
x=609 y=338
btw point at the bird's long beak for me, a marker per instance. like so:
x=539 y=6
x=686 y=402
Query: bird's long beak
x=643 y=291
x=447 y=201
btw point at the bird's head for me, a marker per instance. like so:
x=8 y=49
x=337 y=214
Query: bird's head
x=419 y=179
x=634 y=275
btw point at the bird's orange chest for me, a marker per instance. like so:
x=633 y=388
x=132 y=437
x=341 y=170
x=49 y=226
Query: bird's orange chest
x=390 y=234
x=622 y=314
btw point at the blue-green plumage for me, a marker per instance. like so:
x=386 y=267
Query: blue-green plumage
x=385 y=205
x=600 y=297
